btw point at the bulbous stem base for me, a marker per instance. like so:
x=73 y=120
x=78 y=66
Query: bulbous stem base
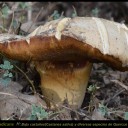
x=60 y=82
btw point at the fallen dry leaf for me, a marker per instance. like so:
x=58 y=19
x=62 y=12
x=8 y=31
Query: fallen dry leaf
x=13 y=102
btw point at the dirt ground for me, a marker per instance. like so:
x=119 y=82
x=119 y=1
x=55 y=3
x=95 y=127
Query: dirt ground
x=108 y=101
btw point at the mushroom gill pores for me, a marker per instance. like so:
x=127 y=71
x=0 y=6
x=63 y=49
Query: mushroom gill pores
x=63 y=51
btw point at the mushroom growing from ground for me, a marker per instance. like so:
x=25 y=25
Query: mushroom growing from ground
x=63 y=51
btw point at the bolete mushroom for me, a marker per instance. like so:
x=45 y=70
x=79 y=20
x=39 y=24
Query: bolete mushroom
x=63 y=51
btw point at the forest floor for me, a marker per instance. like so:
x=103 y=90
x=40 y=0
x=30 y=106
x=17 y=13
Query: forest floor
x=108 y=100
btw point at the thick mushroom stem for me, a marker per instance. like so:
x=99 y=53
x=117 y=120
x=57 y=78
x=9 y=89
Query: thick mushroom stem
x=64 y=81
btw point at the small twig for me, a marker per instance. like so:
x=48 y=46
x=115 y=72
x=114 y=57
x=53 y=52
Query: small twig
x=122 y=112
x=56 y=113
x=9 y=30
x=3 y=20
x=121 y=84
x=9 y=118
x=119 y=92
x=17 y=32
x=54 y=117
x=21 y=112
x=17 y=97
x=34 y=90
x=29 y=12
x=62 y=14
x=35 y=18
x=74 y=10
x=9 y=94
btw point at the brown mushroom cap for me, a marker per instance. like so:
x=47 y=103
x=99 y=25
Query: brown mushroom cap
x=73 y=39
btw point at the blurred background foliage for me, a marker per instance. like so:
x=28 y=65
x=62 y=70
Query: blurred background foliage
x=37 y=13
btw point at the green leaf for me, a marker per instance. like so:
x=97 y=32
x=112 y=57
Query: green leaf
x=102 y=109
x=38 y=113
x=5 y=11
x=15 y=24
x=126 y=116
x=5 y=81
x=6 y=74
x=23 y=5
x=32 y=117
x=92 y=88
x=10 y=75
x=44 y=114
x=36 y=109
x=6 y=65
x=55 y=15
x=1 y=66
x=74 y=14
x=95 y=12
